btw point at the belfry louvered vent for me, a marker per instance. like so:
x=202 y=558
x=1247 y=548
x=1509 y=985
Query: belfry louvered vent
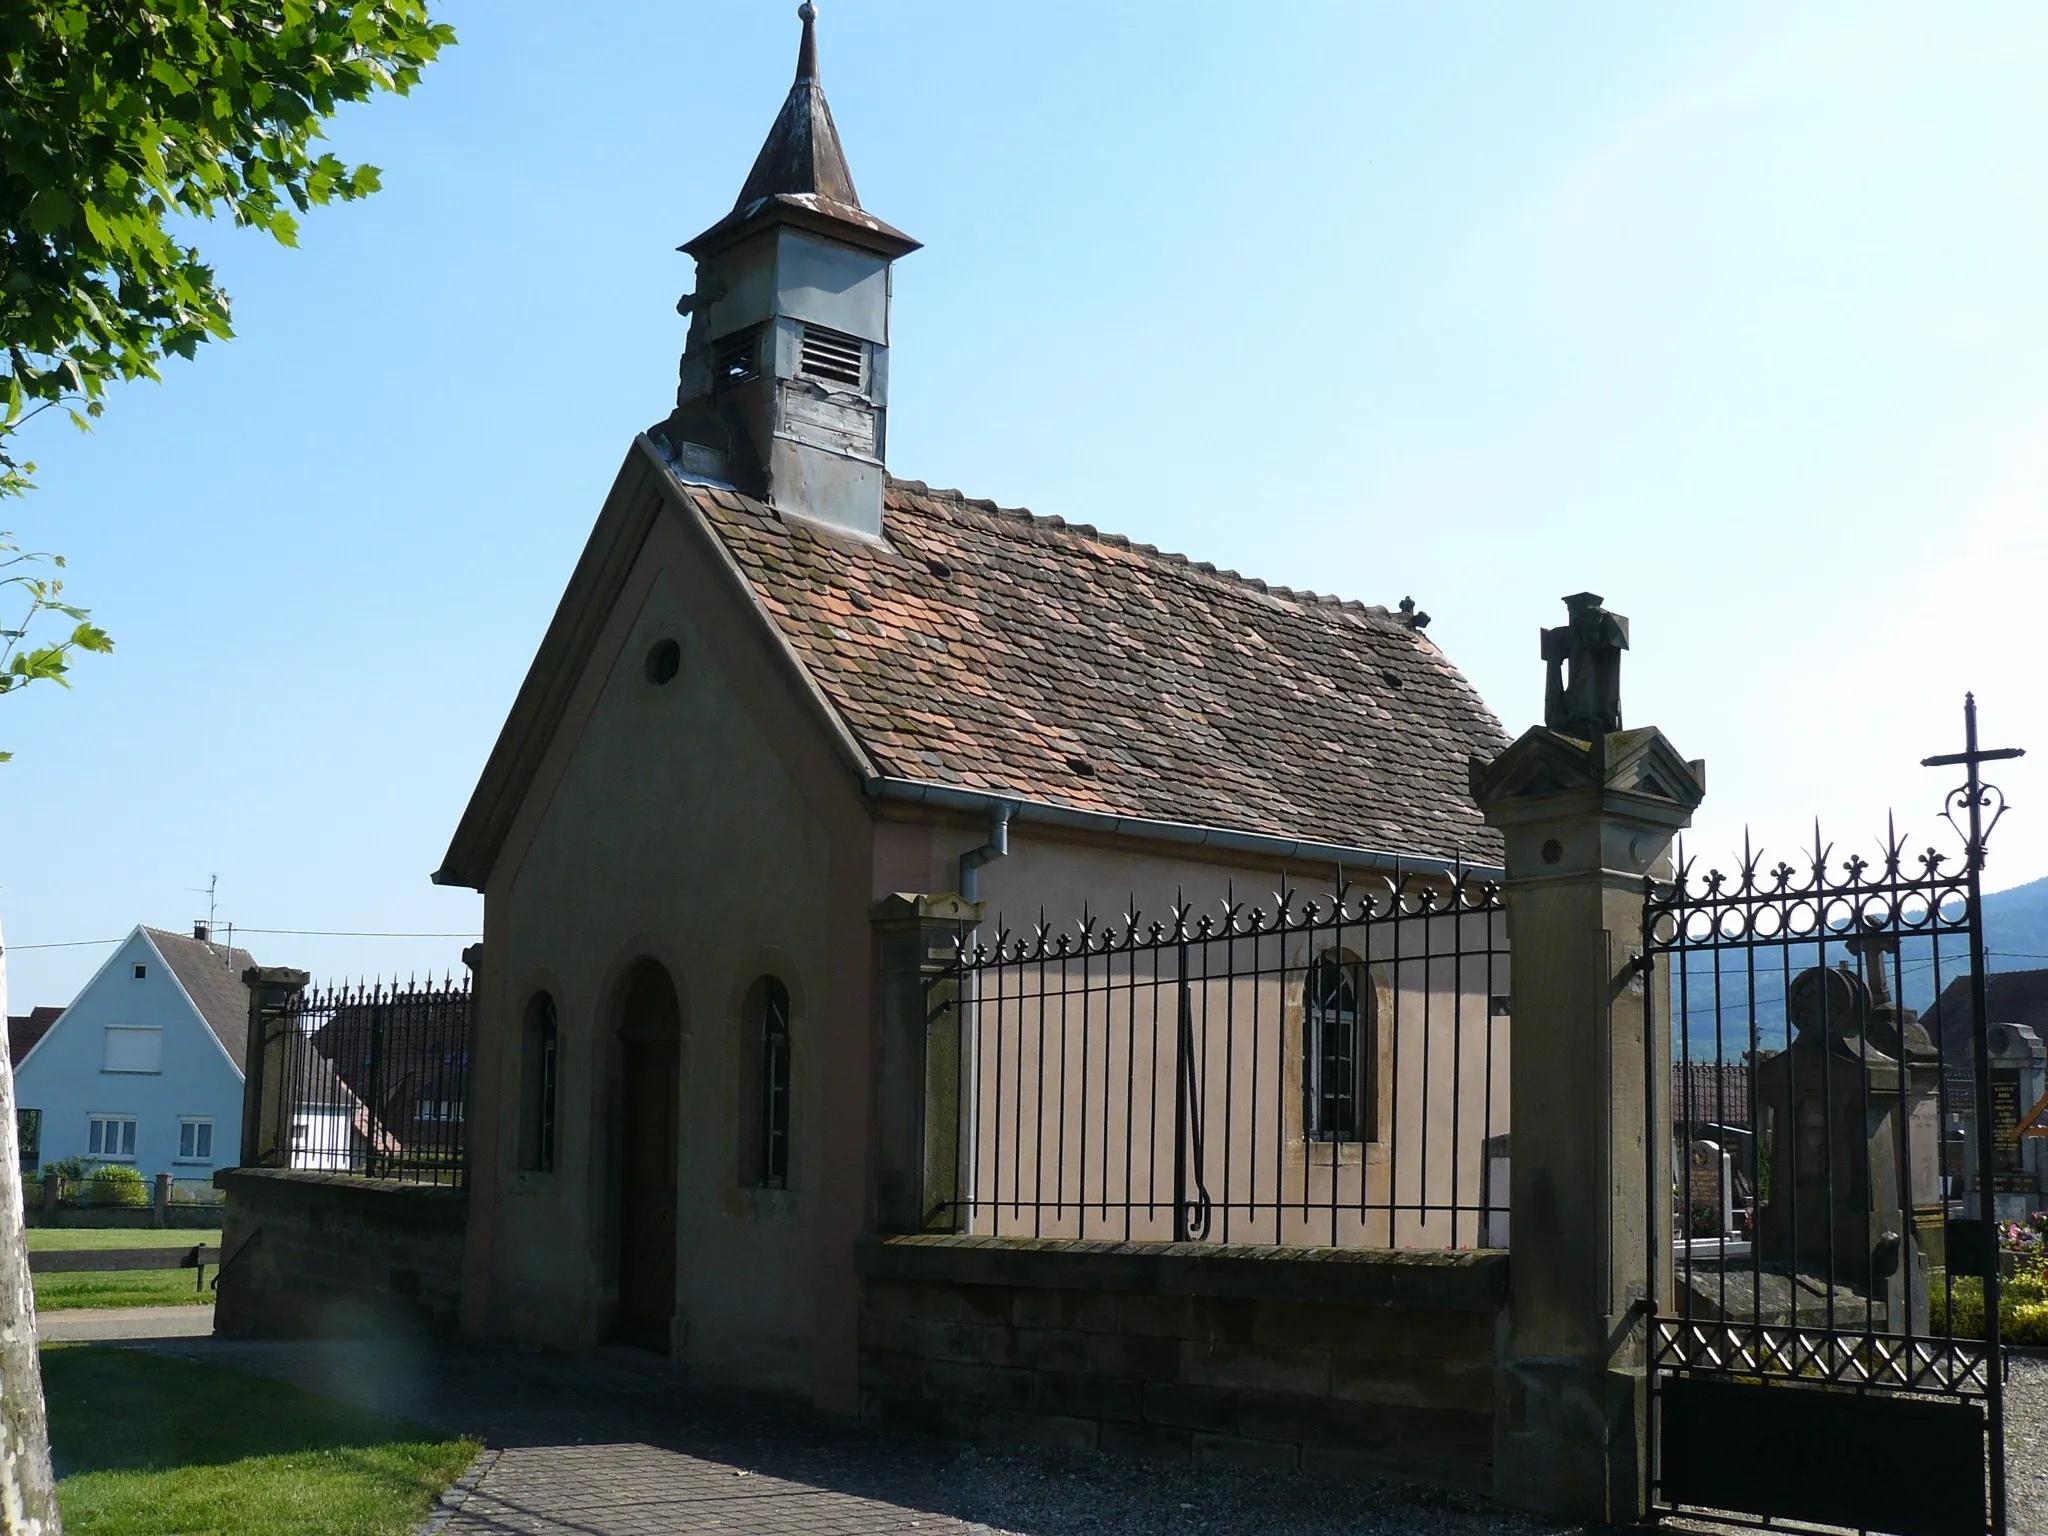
x=736 y=358
x=831 y=355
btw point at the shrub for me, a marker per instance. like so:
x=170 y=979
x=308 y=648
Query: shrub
x=72 y=1170
x=2022 y=1305
x=117 y=1184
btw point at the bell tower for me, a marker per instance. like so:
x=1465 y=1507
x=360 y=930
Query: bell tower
x=784 y=388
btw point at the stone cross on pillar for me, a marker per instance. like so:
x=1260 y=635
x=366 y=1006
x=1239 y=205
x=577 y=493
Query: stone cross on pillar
x=1582 y=691
x=1588 y=812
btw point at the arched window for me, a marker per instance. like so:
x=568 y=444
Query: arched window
x=1341 y=1052
x=764 y=1121
x=539 y=1046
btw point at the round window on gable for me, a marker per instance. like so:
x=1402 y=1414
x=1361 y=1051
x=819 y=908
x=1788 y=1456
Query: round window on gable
x=664 y=661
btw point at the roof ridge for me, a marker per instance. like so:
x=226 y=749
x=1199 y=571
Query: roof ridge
x=1057 y=524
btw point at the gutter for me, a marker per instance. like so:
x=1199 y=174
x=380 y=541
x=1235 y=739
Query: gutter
x=1008 y=807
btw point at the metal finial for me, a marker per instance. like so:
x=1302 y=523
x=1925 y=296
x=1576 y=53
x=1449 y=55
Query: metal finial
x=807 y=50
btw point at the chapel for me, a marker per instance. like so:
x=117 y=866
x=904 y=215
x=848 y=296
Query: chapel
x=786 y=693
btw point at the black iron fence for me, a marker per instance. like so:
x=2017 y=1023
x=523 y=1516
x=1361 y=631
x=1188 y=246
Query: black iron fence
x=1327 y=1071
x=374 y=1080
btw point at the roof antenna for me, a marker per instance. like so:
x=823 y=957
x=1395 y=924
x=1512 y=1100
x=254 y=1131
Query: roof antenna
x=203 y=932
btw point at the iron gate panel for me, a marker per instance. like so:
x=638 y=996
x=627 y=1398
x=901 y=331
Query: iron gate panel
x=1809 y=1453
x=1825 y=1260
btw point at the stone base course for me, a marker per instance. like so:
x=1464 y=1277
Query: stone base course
x=1346 y=1362
x=324 y=1255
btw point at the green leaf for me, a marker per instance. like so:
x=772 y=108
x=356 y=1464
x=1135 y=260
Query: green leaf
x=49 y=211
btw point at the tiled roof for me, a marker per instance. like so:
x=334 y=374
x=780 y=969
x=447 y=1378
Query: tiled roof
x=25 y=1029
x=988 y=649
x=212 y=976
x=2010 y=997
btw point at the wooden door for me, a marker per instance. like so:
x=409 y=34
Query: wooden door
x=652 y=1058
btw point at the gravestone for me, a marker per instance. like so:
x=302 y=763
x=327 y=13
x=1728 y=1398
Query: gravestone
x=2017 y=1060
x=1897 y=1031
x=1831 y=1102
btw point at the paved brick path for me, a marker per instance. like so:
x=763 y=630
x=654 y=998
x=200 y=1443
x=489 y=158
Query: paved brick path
x=641 y=1488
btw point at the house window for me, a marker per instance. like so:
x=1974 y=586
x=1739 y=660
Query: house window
x=441 y=1111
x=1340 y=1052
x=110 y=1136
x=141 y=971
x=133 y=1048
x=764 y=1131
x=539 y=1049
x=28 y=1136
x=195 y=1140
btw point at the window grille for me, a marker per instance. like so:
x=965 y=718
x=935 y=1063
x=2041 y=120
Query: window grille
x=774 y=1084
x=736 y=358
x=1338 y=1039
x=832 y=355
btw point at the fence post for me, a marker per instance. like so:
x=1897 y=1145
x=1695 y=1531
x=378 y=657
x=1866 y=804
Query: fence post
x=273 y=992
x=1588 y=811
x=917 y=1131
x=162 y=1203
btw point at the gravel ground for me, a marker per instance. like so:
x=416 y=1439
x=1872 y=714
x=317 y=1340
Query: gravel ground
x=1074 y=1494
x=2026 y=1447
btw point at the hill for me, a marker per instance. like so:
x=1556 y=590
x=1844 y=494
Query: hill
x=2016 y=927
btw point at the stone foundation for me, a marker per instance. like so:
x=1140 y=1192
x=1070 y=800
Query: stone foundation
x=325 y=1255
x=1344 y=1361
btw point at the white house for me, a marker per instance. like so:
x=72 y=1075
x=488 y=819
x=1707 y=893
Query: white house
x=145 y=1066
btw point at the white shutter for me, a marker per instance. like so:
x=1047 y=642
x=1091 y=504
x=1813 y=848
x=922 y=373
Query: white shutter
x=134 y=1048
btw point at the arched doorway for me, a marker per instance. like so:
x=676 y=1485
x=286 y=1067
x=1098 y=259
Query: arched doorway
x=650 y=1036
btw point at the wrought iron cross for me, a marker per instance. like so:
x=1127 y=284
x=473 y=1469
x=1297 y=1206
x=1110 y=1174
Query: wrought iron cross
x=1974 y=795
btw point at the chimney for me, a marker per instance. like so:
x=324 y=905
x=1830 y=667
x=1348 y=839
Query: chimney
x=201 y=932
x=784 y=386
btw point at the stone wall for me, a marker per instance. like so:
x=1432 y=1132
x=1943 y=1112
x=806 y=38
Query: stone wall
x=1345 y=1361
x=331 y=1255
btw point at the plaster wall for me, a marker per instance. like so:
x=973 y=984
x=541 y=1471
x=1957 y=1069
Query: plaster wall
x=64 y=1075
x=702 y=824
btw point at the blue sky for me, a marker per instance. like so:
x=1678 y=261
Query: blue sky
x=1734 y=314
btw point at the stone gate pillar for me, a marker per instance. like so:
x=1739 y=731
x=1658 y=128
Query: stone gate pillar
x=917 y=1099
x=1588 y=810
x=265 y=1132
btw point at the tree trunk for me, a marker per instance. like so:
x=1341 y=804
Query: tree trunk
x=28 y=1491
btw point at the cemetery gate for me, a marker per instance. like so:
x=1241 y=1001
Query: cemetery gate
x=1844 y=1144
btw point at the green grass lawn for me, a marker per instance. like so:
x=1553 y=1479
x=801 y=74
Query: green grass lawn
x=72 y=1239
x=119 y=1288
x=148 y=1446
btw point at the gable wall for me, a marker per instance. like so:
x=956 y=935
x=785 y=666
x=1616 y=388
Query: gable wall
x=62 y=1076
x=705 y=824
